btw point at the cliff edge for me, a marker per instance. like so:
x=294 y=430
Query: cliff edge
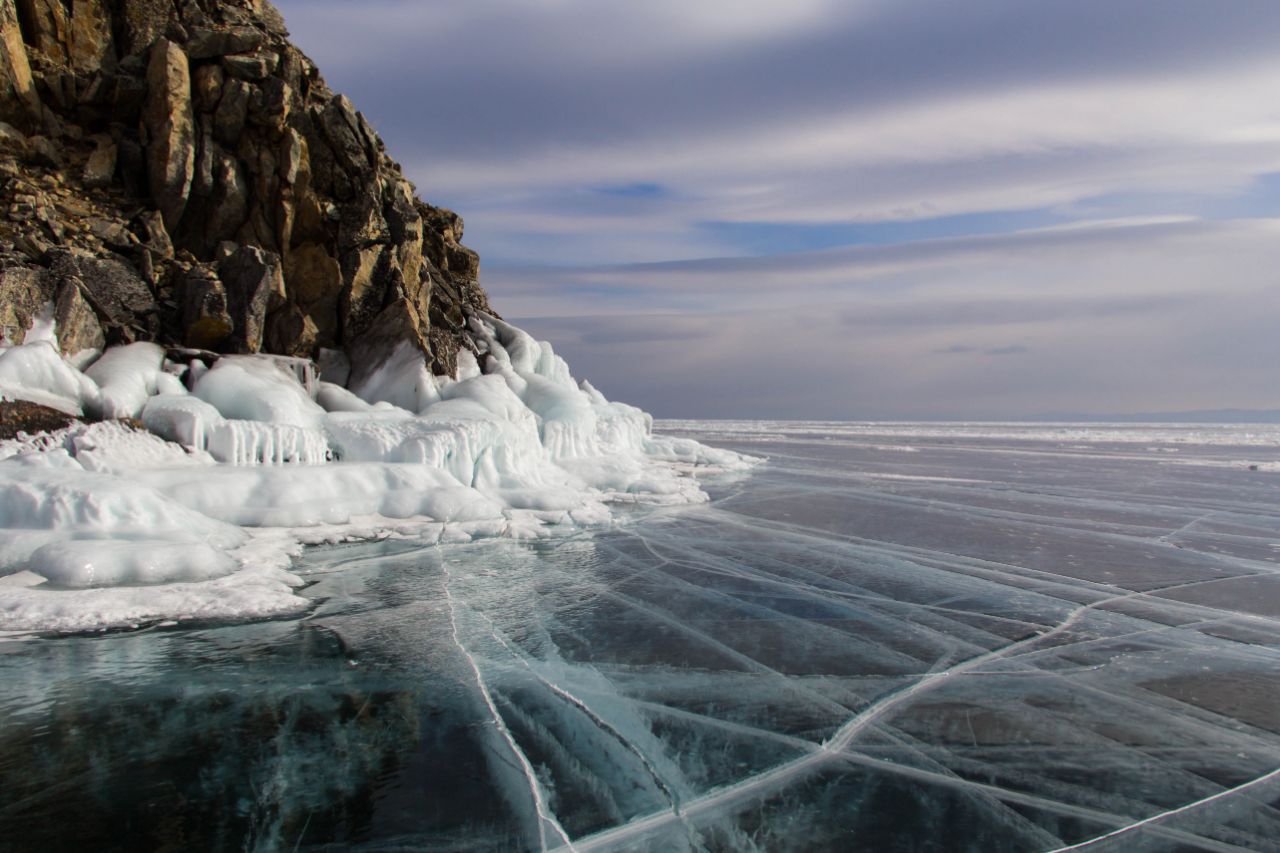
x=177 y=171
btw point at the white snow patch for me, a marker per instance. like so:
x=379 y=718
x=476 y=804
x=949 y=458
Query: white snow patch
x=103 y=526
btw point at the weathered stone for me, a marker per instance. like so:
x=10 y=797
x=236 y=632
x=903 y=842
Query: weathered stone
x=90 y=45
x=75 y=320
x=233 y=109
x=254 y=282
x=225 y=137
x=151 y=231
x=43 y=151
x=100 y=168
x=22 y=416
x=208 y=80
x=341 y=127
x=122 y=299
x=270 y=110
x=113 y=234
x=141 y=22
x=366 y=290
x=270 y=17
x=230 y=201
x=23 y=292
x=14 y=143
x=396 y=325
x=19 y=101
x=206 y=156
x=292 y=157
x=291 y=332
x=47 y=28
x=206 y=42
x=251 y=66
x=202 y=301
x=170 y=130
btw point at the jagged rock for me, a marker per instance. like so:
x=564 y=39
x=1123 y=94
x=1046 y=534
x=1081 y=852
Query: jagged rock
x=20 y=416
x=13 y=142
x=205 y=319
x=254 y=282
x=291 y=332
x=229 y=205
x=207 y=82
x=270 y=109
x=340 y=125
x=23 y=292
x=76 y=321
x=90 y=44
x=44 y=152
x=177 y=136
x=233 y=110
x=19 y=103
x=251 y=66
x=395 y=325
x=100 y=168
x=142 y=22
x=206 y=42
x=170 y=130
x=122 y=300
x=313 y=275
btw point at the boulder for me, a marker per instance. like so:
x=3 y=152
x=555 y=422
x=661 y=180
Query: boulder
x=77 y=323
x=254 y=282
x=394 y=326
x=202 y=301
x=170 y=130
x=124 y=303
x=233 y=110
x=90 y=43
x=19 y=103
x=100 y=168
x=23 y=292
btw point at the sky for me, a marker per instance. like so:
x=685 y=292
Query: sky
x=861 y=209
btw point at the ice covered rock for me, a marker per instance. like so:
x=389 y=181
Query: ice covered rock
x=517 y=448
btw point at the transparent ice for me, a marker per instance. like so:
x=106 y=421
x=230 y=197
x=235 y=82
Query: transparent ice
x=890 y=637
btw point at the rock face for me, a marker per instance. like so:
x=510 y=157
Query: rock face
x=177 y=171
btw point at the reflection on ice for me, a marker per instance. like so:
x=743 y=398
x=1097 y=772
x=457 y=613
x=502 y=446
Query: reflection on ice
x=1009 y=647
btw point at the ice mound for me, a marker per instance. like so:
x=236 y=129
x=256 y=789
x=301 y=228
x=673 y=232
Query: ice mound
x=104 y=525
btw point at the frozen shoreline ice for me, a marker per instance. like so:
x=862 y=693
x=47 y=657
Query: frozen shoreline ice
x=103 y=526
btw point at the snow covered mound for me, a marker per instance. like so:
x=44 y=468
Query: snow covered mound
x=102 y=525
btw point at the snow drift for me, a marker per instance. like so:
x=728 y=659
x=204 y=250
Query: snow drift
x=102 y=525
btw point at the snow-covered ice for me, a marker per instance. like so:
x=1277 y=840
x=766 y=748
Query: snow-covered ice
x=241 y=465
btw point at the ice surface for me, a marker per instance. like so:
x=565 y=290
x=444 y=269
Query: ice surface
x=127 y=376
x=988 y=644
x=520 y=451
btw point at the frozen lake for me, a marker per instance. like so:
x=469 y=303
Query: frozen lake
x=890 y=637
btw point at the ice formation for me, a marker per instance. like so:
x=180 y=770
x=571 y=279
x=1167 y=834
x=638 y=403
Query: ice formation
x=105 y=526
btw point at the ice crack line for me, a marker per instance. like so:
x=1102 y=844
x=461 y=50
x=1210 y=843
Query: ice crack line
x=833 y=746
x=600 y=722
x=535 y=789
x=1084 y=845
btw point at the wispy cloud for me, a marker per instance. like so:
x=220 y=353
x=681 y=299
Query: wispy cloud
x=630 y=161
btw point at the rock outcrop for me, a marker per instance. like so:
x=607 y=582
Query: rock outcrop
x=177 y=171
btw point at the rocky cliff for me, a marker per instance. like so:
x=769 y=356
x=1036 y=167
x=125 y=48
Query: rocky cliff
x=177 y=171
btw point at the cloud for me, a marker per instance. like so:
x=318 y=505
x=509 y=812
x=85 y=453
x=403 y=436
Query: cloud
x=622 y=165
x=1168 y=316
x=815 y=111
